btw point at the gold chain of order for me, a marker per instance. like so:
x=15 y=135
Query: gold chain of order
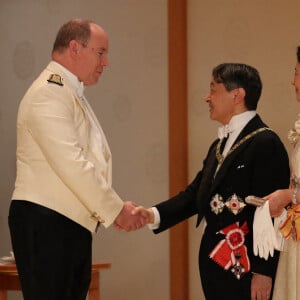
x=221 y=158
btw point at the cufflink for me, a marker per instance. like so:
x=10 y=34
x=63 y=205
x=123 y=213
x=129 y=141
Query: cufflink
x=97 y=218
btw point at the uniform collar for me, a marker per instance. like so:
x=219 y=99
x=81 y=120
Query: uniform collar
x=76 y=84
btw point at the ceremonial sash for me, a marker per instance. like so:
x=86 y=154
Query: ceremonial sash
x=231 y=253
x=291 y=226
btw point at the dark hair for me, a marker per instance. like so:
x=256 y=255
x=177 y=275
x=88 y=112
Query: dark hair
x=75 y=29
x=298 y=54
x=234 y=75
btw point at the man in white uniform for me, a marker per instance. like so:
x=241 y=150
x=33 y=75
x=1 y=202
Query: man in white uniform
x=63 y=189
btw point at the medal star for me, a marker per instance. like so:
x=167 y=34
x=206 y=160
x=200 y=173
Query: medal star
x=217 y=204
x=238 y=270
x=235 y=204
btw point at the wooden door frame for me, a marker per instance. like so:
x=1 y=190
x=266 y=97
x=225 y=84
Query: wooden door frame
x=178 y=142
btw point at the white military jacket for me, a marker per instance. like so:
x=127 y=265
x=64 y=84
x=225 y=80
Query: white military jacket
x=58 y=165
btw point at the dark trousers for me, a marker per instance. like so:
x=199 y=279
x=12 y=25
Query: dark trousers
x=222 y=285
x=53 y=253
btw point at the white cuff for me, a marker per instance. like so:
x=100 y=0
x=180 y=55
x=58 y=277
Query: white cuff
x=156 y=223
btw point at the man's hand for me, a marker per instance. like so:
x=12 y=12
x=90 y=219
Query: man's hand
x=127 y=220
x=261 y=286
x=146 y=213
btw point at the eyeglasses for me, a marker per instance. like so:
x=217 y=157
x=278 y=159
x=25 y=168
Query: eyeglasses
x=99 y=52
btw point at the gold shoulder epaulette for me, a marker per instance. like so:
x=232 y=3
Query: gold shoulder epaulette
x=55 y=78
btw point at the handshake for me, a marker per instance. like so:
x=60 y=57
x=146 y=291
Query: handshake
x=133 y=217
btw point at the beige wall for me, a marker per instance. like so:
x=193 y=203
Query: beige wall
x=131 y=104
x=261 y=33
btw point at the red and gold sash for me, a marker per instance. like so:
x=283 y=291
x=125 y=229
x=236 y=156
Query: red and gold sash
x=291 y=226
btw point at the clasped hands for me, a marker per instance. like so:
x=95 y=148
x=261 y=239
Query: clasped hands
x=133 y=217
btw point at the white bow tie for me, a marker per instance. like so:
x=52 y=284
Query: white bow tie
x=223 y=131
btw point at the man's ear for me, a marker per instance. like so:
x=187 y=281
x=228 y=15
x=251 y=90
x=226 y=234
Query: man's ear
x=239 y=95
x=74 y=48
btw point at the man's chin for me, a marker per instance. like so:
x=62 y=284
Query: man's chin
x=96 y=79
x=211 y=116
x=92 y=82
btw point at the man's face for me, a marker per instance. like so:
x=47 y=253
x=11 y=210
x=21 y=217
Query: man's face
x=93 y=57
x=221 y=102
x=296 y=81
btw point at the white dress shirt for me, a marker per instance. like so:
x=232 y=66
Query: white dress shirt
x=236 y=125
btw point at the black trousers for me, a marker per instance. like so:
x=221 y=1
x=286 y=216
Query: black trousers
x=53 y=253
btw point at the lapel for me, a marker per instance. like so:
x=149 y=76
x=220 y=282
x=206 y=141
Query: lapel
x=252 y=125
x=106 y=150
x=206 y=180
x=209 y=169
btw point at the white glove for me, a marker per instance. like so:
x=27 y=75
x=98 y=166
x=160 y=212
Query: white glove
x=278 y=221
x=264 y=235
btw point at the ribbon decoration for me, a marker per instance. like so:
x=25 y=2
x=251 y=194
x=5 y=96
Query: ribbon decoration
x=231 y=251
x=291 y=226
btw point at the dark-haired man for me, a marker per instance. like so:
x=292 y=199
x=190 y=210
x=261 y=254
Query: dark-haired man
x=247 y=159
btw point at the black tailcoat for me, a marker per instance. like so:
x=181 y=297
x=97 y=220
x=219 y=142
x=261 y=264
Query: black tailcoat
x=257 y=167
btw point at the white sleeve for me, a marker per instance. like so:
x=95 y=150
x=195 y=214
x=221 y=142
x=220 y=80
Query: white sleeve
x=156 y=223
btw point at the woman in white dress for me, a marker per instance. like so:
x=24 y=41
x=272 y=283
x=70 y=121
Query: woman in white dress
x=287 y=285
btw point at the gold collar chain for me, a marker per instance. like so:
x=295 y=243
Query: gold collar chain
x=221 y=158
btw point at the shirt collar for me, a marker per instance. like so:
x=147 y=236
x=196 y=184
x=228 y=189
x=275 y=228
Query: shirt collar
x=76 y=84
x=237 y=123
